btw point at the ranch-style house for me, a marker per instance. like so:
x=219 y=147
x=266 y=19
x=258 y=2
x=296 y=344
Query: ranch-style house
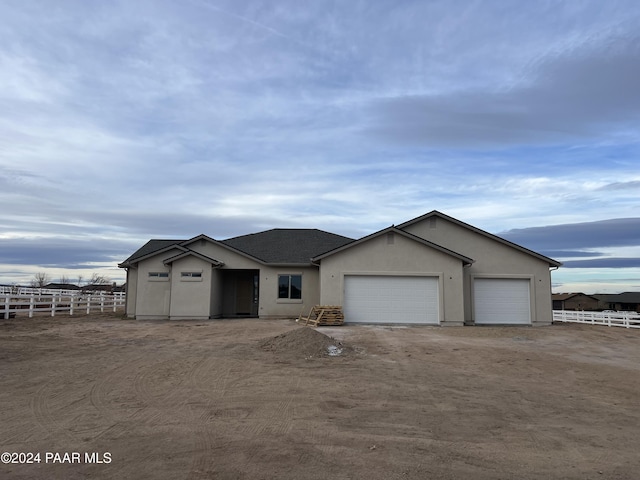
x=433 y=269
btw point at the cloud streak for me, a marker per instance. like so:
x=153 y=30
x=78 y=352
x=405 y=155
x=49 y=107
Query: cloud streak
x=575 y=95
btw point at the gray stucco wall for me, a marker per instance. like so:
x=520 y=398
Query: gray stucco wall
x=273 y=307
x=269 y=306
x=404 y=257
x=132 y=288
x=190 y=297
x=153 y=296
x=493 y=259
x=175 y=298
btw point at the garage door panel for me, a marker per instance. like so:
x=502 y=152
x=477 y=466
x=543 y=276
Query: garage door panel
x=502 y=301
x=391 y=299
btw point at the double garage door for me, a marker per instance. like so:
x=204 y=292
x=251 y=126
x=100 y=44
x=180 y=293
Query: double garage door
x=501 y=301
x=408 y=299
x=391 y=299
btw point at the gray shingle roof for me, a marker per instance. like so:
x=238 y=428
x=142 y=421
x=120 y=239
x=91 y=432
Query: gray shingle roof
x=280 y=245
x=624 y=297
x=287 y=245
x=150 y=247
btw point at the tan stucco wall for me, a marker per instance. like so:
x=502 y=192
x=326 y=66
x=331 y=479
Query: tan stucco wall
x=179 y=299
x=132 y=288
x=403 y=257
x=272 y=307
x=269 y=306
x=491 y=259
x=190 y=298
x=153 y=297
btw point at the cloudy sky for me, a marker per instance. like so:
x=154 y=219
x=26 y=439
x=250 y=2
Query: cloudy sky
x=122 y=121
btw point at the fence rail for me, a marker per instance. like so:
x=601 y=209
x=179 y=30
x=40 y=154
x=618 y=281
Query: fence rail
x=74 y=304
x=610 y=319
x=93 y=289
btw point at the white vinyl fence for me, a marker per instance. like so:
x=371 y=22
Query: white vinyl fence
x=610 y=319
x=62 y=301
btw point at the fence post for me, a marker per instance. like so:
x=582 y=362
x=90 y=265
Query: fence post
x=88 y=304
x=101 y=302
x=53 y=305
x=7 y=301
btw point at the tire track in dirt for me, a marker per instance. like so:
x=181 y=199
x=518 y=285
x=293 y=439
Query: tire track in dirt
x=273 y=416
x=107 y=384
x=41 y=410
x=158 y=401
x=226 y=414
x=149 y=399
x=211 y=379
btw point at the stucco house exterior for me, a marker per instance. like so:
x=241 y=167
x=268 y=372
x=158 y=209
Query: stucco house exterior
x=433 y=269
x=574 y=301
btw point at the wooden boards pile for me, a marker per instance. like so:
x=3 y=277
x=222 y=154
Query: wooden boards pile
x=323 y=315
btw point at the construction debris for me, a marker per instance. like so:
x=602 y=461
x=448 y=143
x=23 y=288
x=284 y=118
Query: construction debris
x=323 y=315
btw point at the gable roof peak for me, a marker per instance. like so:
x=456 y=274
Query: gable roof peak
x=393 y=229
x=550 y=261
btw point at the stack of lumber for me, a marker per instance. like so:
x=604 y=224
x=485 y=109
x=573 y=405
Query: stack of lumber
x=323 y=315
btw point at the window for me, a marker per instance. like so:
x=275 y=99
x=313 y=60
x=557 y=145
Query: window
x=158 y=276
x=190 y=276
x=290 y=286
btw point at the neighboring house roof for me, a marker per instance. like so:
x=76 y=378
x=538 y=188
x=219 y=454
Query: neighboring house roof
x=625 y=297
x=567 y=296
x=276 y=246
x=435 y=213
x=62 y=286
x=392 y=229
x=98 y=287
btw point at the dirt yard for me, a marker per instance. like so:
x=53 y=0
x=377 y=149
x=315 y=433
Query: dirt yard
x=256 y=399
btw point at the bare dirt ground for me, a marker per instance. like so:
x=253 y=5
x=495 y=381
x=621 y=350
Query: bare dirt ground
x=256 y=399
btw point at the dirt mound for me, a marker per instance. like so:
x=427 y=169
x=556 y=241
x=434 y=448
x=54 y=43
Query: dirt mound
x=304 y=342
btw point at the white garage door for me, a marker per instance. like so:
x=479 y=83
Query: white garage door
x=501 y=301
x=390 y=299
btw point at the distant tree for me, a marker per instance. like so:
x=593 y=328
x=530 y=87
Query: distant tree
x=40 y=279
x=64 y=280
x=97 y=279
x=80 y=279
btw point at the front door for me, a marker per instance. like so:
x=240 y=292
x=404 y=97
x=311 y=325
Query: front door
x=244 y=295
x=240 y=293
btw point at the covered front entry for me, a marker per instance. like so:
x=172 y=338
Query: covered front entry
x=240 y=293
x=391 y=299
x=502 y=301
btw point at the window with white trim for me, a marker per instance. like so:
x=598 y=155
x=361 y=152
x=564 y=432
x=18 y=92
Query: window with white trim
x=290 y=286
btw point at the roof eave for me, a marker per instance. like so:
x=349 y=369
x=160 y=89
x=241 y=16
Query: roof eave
x=550 y=261
x=202 y=236
x=132 y=262
x=394 y=229
x=212 y=261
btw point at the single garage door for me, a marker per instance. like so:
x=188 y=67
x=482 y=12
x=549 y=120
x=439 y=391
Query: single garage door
x=501 y=301
x=390 y=299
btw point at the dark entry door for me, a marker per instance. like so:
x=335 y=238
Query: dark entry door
x=244 y=295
